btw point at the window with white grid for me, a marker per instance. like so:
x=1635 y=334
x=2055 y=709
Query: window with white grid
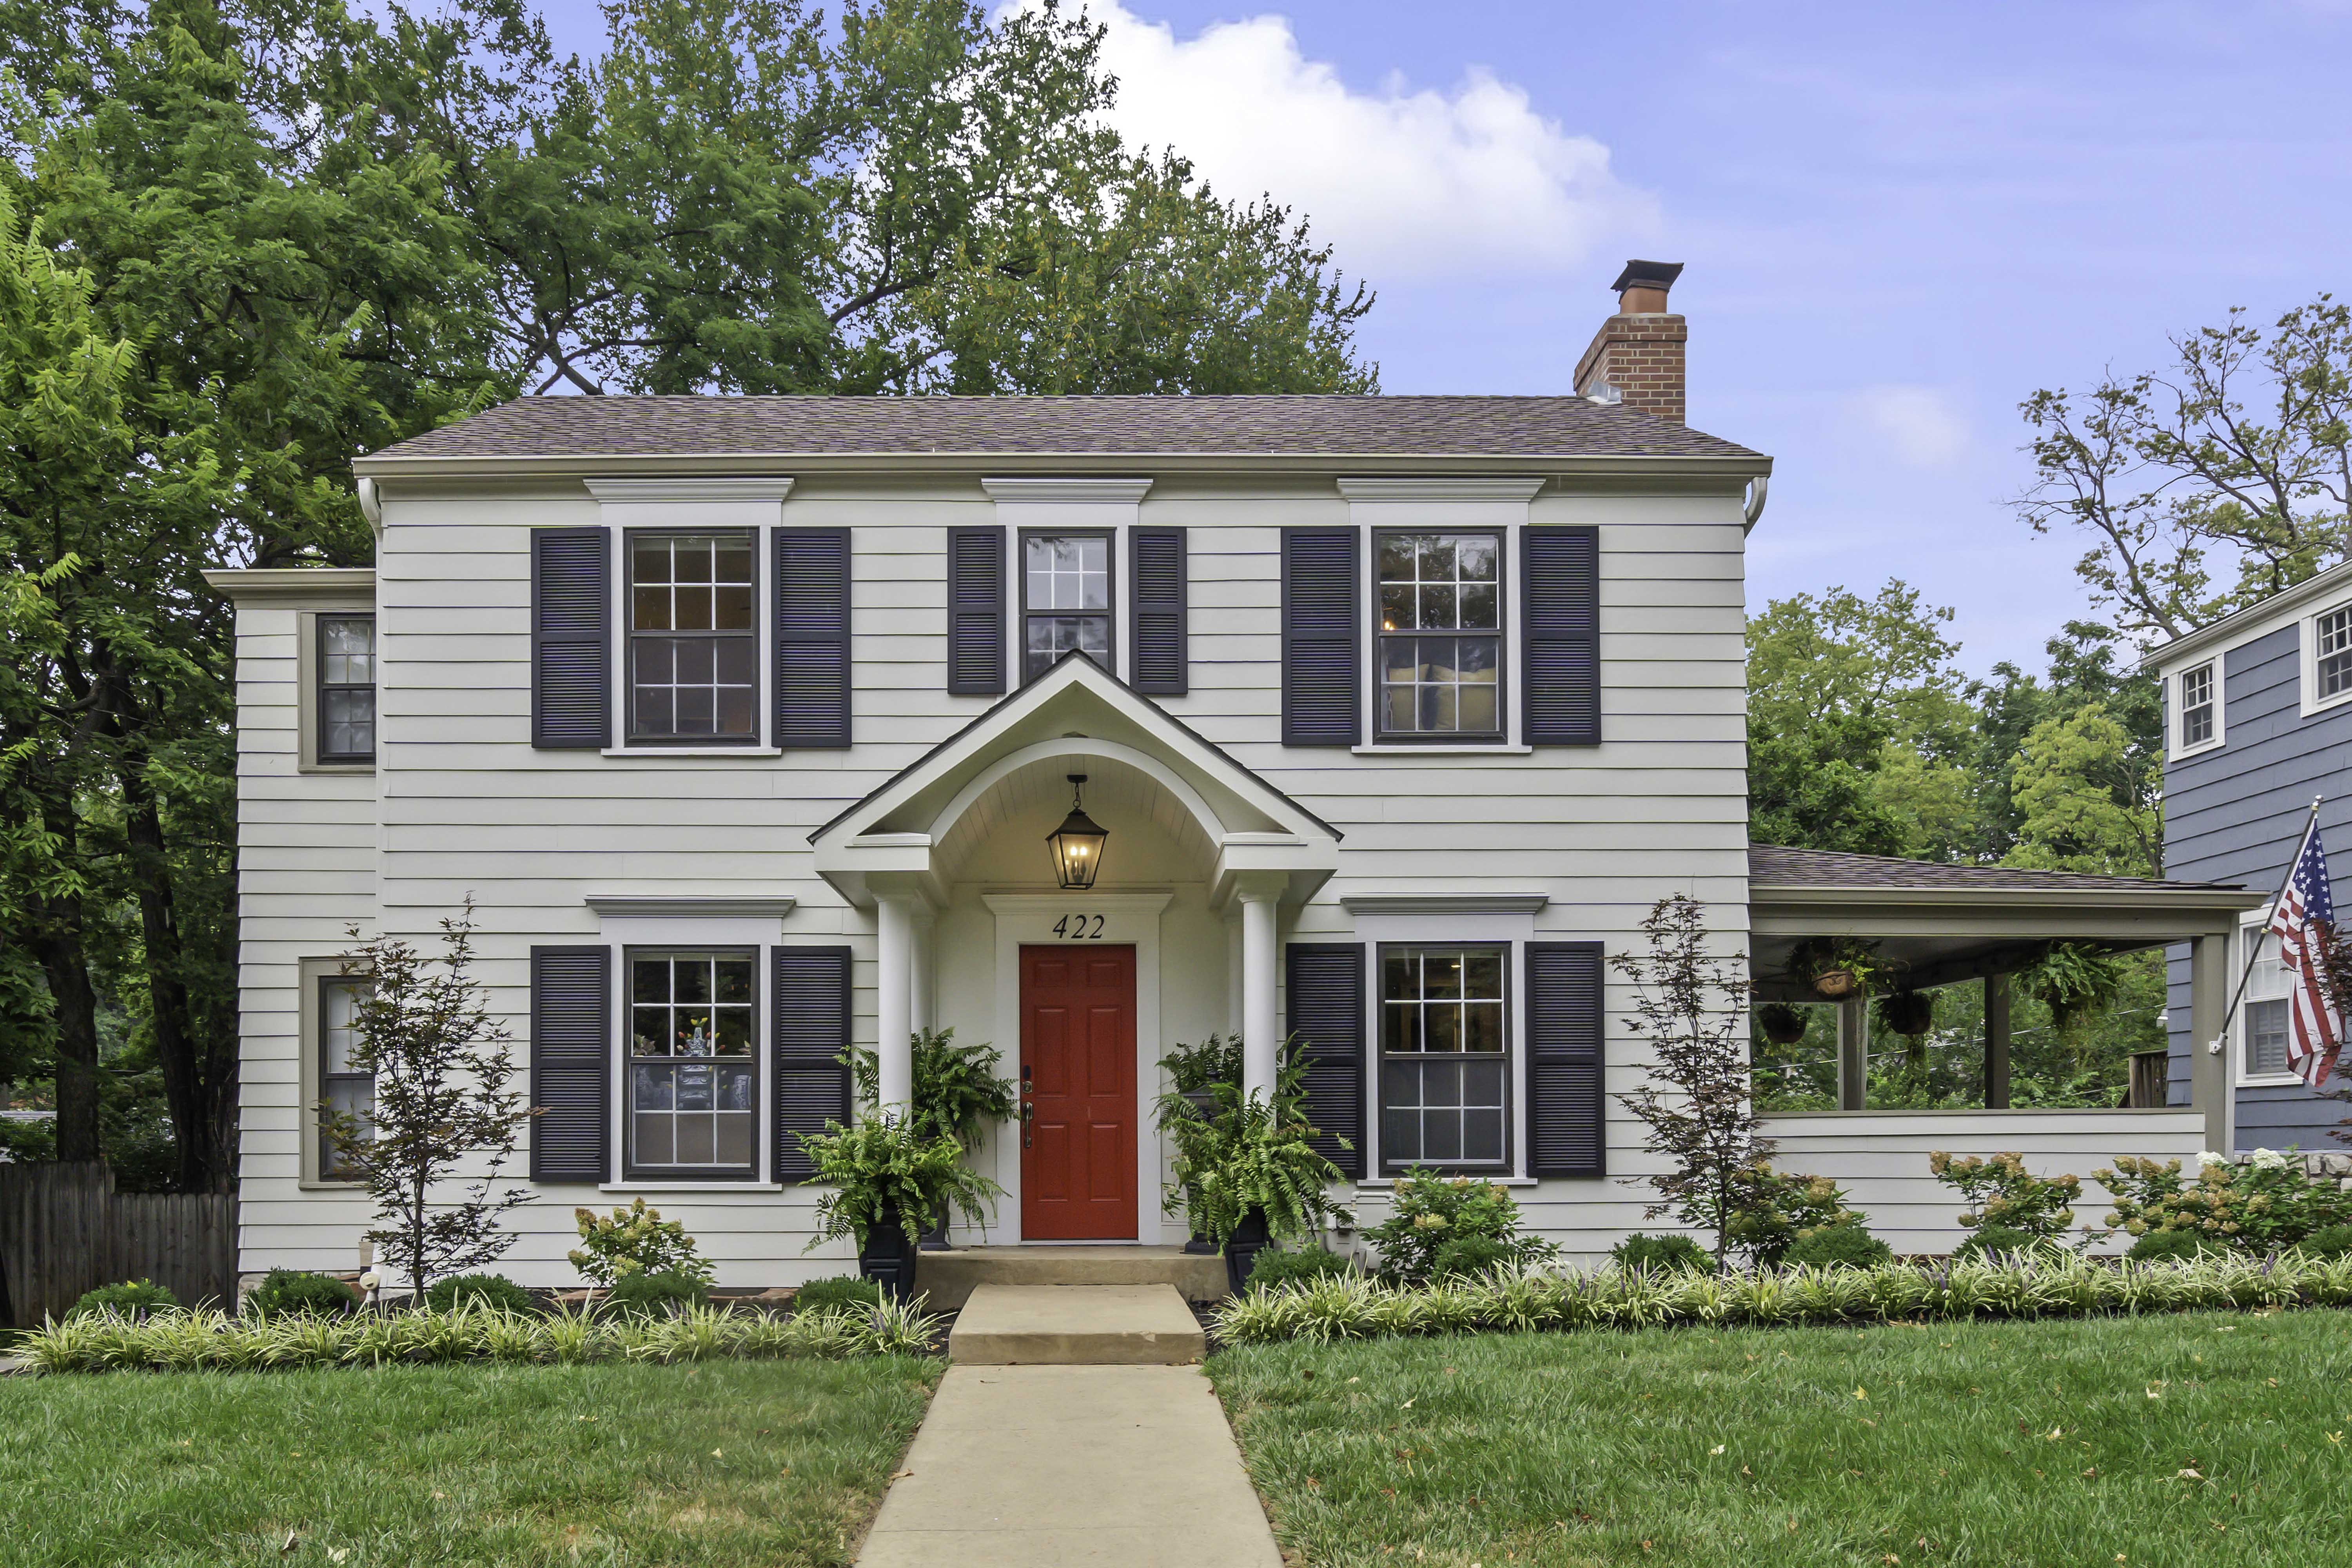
x=693 y=1098
x=2196 y=706
x=1444 y=1056
x=693 y=657
x=1065 y=599
x=1440 y=643
x=2263 y=1021
x=2333 y=651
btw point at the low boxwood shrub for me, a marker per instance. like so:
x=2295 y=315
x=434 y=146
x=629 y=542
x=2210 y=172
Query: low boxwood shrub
x=2328 y=1241
x=666 y=1293
x=836 y=1293
x=479 y=1290
x=1661 y=1255
x=2004 y=1241
x=133 y=1299
x=294 y=1292
x=1849 y=1245
x=2176 y=1245
x=1305 y=1264
x=1470 y=1256
x=1429 y=1211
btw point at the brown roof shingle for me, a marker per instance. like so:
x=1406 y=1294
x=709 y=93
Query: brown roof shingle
x=1771 y=866
x=1341 y=426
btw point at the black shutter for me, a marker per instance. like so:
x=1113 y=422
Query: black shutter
x=1320 y=644
x=812 y=638
x=571 y=1062
x=570 y=638
x=1157 y=607
x=975 y=612
x=1564 y=1059
x=810 y=999
x=1324 y=986
x=1563 y=635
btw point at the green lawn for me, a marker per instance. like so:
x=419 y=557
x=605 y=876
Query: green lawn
x=2048 y=1442
x=732 y=1463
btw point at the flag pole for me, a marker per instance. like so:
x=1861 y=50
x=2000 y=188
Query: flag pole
x=2255 y=950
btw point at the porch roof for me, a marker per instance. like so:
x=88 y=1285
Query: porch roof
x=1944 y=924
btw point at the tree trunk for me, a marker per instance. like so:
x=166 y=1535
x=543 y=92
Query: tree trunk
x=74 y=1017
x=198 y=1084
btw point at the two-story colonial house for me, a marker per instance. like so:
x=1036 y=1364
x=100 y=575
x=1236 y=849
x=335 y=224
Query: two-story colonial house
x=754 y=729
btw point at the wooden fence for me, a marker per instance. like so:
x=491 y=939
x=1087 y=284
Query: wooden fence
x=64 y=1230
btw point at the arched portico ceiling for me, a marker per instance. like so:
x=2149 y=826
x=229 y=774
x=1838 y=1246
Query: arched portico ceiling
x=1076 y=718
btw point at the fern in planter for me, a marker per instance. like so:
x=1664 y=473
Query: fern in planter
x=884 y=1170
x=1249 y=1154
x=956 y=1090
x=1197 y=1069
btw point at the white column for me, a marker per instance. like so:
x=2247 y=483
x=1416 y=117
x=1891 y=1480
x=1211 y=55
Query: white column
x=920 y=1006
x=1260 y=1045
x=894 y=953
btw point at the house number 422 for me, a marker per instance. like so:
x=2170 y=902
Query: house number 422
x=1079 y=928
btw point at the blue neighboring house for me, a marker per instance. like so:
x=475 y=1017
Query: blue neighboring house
x=2258 y=720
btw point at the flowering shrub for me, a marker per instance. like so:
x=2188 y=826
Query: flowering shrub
x=2259 y=1204
x=1433 y=1210
x=2001 y=1191
x=1775 y=1211
x=635 y=1240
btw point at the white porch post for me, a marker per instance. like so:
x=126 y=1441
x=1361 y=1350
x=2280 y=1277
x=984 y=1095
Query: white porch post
x=1260 y=1045
x=894 y=952
x=921 y=1006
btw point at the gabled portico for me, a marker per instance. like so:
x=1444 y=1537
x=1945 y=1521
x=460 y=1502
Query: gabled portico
x=958 y=839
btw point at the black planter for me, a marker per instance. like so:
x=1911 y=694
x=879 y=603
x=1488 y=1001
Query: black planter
x=1242 y=1247
x=936 y=1238
x=888 y=1257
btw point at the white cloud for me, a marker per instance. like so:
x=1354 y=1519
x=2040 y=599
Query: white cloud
x=1920 y=424
x=1474 y=183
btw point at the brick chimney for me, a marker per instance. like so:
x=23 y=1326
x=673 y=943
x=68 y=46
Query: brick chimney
x=1638 y=352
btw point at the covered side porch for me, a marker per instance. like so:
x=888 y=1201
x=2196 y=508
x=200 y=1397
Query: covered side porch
x=1940 y=926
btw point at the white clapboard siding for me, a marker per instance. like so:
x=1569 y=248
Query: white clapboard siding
x=463 y=806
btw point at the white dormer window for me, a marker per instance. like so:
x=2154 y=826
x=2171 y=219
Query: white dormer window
x=2332 y=653
x=2196 y=707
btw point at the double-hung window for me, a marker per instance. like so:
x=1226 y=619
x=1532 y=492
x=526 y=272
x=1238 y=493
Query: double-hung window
x=1439 y=654
x=2332 y=653
x=345 y=1091
x=693 y=657
x=1065 y=599
x=346 y=688
x=2263 y=1016
x=1445 y=1022
x=693 y=1076
x=2196 y=706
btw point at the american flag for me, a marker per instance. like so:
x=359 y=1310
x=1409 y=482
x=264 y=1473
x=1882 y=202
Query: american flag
x=2304 y=905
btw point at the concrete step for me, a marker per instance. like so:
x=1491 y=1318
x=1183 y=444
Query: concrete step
x=1076 y=1325
x=949 y=1278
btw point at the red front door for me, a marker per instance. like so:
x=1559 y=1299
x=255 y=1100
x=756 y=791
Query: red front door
x=1078 y=1068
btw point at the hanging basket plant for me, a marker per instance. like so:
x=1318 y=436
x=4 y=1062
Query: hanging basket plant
x=1782 y=1023
x=1910 y=1014
x=2076 y=983
x=1835 y=967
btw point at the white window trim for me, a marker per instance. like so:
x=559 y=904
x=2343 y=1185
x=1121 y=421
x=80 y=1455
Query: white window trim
x=2307 y=637
x=2176 y=712
x=1512 y=930
x=310 y=973
x=1107 y=506
x=693 y=506
x=306 y=690
x=1500 y=505
x=2250 y=930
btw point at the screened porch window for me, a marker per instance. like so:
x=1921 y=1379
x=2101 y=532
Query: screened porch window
x=1441 y=635
x=1065 y=599
x=693 y=658
x=1444 y=1056
x=693 y=1077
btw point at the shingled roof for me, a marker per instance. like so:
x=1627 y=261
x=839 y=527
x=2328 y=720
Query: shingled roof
x=1771 y=866
x=554 y=428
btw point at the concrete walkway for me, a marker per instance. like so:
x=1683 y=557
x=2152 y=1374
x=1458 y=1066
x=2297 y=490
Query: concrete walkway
x=1040 y=1466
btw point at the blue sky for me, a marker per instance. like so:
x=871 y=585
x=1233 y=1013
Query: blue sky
x=1898 y=219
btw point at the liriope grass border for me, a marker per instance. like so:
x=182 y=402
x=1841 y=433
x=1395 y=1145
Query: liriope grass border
x=206 y=1340
x=2057 y=1286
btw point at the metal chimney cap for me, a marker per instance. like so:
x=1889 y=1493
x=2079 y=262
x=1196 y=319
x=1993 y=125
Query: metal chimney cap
x=1658 y=275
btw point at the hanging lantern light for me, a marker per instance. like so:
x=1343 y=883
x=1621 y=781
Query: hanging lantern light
x=1078 y=844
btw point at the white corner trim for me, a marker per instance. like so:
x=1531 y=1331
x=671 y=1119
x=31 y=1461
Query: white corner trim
x=690 y=487
x=1026 y=492
x=1444 y=488
x=1444 y=903
x=714 y=906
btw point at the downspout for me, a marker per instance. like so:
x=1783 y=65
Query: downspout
x=1757 y=489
